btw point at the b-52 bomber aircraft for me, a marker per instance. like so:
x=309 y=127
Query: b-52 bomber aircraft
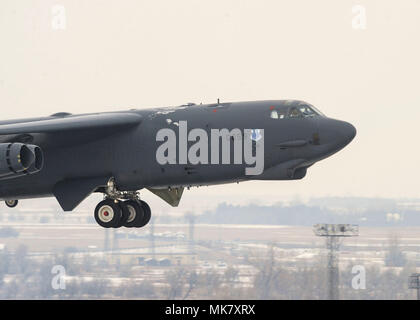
x=163 y=150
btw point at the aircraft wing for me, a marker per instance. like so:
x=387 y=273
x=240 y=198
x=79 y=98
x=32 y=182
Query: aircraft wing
x=73 y=123
x=62 y=130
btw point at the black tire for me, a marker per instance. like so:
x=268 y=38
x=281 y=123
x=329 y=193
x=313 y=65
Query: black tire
x=147 y=214
x=136 y=214
x=125 y=213
x=11 y=203
x=108 y=214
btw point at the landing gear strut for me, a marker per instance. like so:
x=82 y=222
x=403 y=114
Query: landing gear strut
x=122 y=209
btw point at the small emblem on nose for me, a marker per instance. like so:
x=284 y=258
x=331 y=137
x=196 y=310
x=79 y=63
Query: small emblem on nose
x=256 y=134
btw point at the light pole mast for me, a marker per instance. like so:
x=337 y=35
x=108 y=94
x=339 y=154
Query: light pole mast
x=191 y=226
x=333 y=233
x=414 y=283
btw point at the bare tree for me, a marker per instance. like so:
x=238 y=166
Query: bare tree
x=211 y=281
x=192 y=283
x=175 y=280
x=143 y=289
x=395 y=257
x=21 y=260
x=231 y=275
x=267 y=275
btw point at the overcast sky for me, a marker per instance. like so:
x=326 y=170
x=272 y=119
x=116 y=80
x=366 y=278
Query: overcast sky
x=114 y=55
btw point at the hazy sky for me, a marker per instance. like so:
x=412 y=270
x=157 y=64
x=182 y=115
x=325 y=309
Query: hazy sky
x=114 y=55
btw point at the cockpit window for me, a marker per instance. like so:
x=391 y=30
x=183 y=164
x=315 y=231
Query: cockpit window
x=294 y=113
x=274 y=114
x=282 y=114
x=307 y=111
x=302 y=110
x=317 y=111
x=278 y=114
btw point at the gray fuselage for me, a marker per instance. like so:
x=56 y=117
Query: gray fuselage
x=291 y=145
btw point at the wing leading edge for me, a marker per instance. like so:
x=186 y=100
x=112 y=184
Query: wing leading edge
x=73 y=123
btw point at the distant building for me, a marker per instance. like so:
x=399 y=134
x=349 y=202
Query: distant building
x=164 y=262
x=151 y=262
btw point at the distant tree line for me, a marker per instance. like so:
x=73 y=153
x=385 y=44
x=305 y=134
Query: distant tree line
x=308 y=215
x=24 y=277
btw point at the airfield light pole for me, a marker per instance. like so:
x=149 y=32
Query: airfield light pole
x=115 y=247
x=333 y=233
x=152 y=237
x=414 y=283
x=106 y=240
x=191 y=220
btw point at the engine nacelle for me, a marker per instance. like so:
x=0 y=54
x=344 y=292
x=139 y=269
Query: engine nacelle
x=38 y=164
x=18 y=159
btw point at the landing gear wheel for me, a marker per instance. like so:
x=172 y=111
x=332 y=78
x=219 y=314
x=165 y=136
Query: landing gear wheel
x=108 y=214
x=135 y=214
x=11 y=203
x=147 y=213
x=125 y=213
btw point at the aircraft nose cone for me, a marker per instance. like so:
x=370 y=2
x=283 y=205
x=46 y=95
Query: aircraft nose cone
x=334 y=135
x=348 y=131
x=342 y=133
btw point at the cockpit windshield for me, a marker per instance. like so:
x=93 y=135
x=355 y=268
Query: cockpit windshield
x=302 y=110
x=307 y=111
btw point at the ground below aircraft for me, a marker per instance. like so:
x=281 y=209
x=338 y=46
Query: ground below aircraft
x=163 y=150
